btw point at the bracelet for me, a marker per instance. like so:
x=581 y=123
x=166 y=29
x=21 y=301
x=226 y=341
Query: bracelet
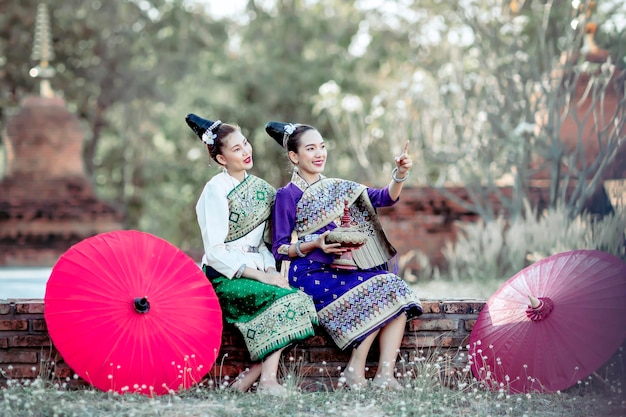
x=298 y=250
x=239 y=272
x=396 y=179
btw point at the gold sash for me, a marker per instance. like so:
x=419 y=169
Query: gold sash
x=323 y=202
x=249 y=205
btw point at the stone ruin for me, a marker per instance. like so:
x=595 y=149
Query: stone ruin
x=47 y=203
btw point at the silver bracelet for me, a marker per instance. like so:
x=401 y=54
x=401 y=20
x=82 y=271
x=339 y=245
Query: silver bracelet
x=298 y=250
x=239 y=272
x=396 y=179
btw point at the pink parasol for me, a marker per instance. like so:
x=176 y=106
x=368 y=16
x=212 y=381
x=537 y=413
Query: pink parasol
x=552 y=324
x=129 y=312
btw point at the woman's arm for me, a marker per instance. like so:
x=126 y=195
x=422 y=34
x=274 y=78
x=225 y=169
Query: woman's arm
x=271 y=276
x=268 y=258
x=400 y=173
x=212 y=214
x=284 y=218
x=283 y=222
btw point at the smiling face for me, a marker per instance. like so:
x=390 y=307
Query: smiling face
x=311 y=155
x=236 y=154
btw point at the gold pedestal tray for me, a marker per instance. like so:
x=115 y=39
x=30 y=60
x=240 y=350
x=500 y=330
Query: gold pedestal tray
x=349 y=237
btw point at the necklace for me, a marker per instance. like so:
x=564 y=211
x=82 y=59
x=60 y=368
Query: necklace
x=246 y=199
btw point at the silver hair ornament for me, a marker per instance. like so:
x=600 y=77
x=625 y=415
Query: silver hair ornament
x=287 y=131
x=208 y=136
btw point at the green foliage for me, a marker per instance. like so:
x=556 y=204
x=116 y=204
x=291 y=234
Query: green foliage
x=492 y=252
x=454 y=80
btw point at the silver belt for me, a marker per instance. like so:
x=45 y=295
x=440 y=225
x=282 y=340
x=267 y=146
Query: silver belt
x=243 y=248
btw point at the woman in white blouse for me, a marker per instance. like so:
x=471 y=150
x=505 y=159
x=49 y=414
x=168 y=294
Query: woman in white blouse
x=233 y=212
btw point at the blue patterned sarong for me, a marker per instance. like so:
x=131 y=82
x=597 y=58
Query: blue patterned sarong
x=351 y=304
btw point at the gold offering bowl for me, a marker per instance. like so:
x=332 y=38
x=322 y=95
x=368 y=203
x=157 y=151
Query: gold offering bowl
x=348 y=237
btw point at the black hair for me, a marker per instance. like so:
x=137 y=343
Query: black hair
x=293 y=142
x=221 y=132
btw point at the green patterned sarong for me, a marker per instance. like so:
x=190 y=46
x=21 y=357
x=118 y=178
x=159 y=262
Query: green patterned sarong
x=268 y=317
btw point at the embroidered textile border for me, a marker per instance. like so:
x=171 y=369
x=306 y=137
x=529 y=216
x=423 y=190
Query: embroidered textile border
x=288 y=319
x=324 y=201
x=365 y=307
x=246 y=213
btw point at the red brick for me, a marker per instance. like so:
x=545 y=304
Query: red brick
x=234 y=353
x=428 y=353
x=29 y=341
x=431 y=307
x=5 y=307
x=469 y=324
x=454 y=341
x=328 y=355
x=316 y=341
x=462 y=307
x=222 y=370
x=62 y=371
x=321 y=371
x=39 y=325
x=20 y=371
x=29 y=307
x=418 y=341
x=232 y=337
x=7 y=325
x=434 y=324
x=443 y=328
x=297 y=351
x=18 y=356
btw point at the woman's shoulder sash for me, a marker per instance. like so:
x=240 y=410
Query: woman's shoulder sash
x=249 y=205
x=324 y=202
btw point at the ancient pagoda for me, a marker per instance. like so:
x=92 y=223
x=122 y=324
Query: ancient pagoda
x=47 y=202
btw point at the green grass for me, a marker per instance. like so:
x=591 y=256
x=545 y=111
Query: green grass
x=34 y=399
x=430 y=390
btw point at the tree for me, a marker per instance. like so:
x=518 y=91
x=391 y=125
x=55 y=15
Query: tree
x=488 y=105
x=115 y=61
x=303 y=45
x=515 y=104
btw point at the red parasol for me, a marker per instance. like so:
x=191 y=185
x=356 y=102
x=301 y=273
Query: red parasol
x=552 y=324
x=129 y=312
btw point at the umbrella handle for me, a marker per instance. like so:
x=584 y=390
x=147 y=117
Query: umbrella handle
x=142 y=305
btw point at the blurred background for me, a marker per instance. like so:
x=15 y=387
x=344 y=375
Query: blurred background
x=514 y=110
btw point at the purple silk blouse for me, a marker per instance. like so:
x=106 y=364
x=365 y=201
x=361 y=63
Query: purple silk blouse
x=284 y=219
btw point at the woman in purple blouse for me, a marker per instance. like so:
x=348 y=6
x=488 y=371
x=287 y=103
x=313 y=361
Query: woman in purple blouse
x=354 y=305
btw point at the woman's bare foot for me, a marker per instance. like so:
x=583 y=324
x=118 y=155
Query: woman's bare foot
x=246 y=378
x=387 y=382
x=353 y=380
x=272 y=388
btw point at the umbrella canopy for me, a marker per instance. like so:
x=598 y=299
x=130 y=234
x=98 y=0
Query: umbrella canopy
x=552 y=324
x=129 y=312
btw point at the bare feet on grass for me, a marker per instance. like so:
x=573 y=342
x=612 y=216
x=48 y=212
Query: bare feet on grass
x=245 y=379
x=352 y=379
x=387 y=382
x=385 y=378
x=272 y=388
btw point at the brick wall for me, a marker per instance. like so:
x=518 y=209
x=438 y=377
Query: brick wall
x=26 y=350
x=425 y=220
